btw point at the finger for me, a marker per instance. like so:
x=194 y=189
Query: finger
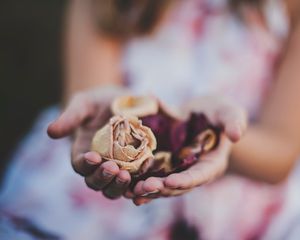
x=141 y=200
x=209 y=167
x=118 y=186
x=102 y=176
x=86 y=163
x=181 y=180
x=129 y=194
x=79 y=110
x=149 y=186
x=201 y=173
x=234 y=121
x=138 y=189
x=153 y=184
x=167 y=192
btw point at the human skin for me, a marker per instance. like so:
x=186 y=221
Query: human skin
x=266 y=152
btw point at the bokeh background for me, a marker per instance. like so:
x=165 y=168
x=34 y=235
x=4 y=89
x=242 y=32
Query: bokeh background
x=30 y=66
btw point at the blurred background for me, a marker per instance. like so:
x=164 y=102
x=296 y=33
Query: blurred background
x=30 y=65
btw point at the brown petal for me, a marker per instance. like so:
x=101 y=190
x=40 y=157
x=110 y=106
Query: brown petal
x=150 y=137
x=162 y=161
x=102 y=141
x=137 y=126
x=134 y=106
x=207 y=139
x=126 y=154
x=134 y=166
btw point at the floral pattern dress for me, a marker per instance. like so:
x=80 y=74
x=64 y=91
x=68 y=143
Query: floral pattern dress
x=201 y=48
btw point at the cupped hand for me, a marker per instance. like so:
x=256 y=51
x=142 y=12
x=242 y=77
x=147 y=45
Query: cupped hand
x=220 y=112
x=83 y=116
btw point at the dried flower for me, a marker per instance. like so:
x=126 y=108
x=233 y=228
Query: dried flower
x=125 y=141
x=148 y=139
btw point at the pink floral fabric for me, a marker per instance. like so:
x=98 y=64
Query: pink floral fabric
x=200 y=49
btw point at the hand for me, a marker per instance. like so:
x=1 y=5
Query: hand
x=83 y=116
x=211 y=166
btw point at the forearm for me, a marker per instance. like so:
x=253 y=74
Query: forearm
x=88 y=71
x=263 y=155
x=91 y=60
x=269 y=149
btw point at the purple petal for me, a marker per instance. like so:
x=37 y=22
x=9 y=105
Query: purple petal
x=172 y=135
x=178 y=133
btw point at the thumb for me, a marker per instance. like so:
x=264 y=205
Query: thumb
x=234 y=120
x=77 y=112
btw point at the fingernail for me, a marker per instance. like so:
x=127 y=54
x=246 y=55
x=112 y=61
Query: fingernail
x=149 y=193
x=91 y=159
x=91 y=162
x=107 y=174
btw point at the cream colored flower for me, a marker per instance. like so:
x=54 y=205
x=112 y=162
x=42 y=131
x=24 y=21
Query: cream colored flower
x=125 y=141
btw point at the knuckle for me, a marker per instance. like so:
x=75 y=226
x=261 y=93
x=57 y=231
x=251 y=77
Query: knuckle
x=90 y=184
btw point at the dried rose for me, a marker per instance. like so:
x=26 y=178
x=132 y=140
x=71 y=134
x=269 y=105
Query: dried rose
x=127 y=142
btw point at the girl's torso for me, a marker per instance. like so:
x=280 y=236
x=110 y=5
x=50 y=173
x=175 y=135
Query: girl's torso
x=203 y=48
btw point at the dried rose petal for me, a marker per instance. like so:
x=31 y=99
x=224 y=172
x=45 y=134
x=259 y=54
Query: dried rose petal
x=134 y=106
x=186 y=140
x=160 y=126
x=125 y=141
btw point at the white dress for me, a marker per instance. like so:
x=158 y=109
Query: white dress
x=200 y=49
